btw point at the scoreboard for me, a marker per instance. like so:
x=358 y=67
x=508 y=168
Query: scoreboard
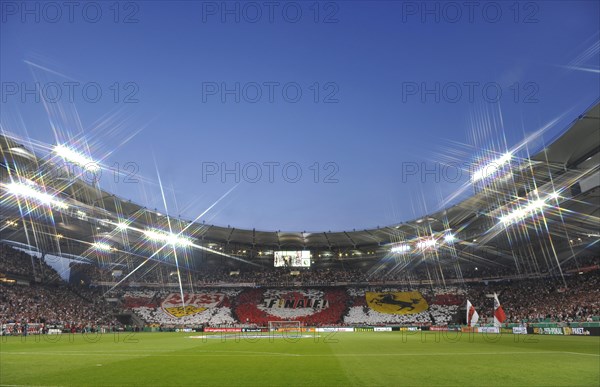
x=299 y=258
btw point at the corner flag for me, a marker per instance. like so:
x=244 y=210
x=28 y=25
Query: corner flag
x=472 y=315
x=499 y=315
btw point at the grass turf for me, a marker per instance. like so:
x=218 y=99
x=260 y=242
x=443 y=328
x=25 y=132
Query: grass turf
x=324 y=359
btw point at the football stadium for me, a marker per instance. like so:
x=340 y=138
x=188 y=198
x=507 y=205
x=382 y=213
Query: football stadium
x=142 y=245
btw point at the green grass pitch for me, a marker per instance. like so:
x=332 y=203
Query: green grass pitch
x=319 y=359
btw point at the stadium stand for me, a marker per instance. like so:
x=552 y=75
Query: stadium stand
x=53 y=305
x=443 y=306
x=216 y=298
x=18 y=263
x=542 y=300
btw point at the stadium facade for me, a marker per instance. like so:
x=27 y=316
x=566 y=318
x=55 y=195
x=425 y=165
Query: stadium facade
x=526 y=213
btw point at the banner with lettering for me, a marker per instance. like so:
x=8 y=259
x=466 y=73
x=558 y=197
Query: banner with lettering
x=296 y=303
x=310 y=306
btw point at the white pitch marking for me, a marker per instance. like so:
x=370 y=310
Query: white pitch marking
x=207 y=353
x=25 y=385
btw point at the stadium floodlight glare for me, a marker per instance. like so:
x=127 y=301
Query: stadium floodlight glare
x=400 y=249
x=168 y=238
x=449 y=238
x=102 y=246
x=491 y=167
x=29 y=191
x=430 y=242
x=522 y=212
x=122 y=226
x=76 y=158
x=554 y=195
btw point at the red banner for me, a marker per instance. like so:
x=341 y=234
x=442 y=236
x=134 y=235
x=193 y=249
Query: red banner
x=209 y=329
x=434 y=328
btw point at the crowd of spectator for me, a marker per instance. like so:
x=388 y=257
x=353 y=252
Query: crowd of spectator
x=443 y=305
x=53 y=305
x=259 y=306
x=149 y=306
x=542 y=300
x=523 y=300
x=337 y=306
x=570 y=294
x=158 y=273
x=15 y=262
x=87 y=272
x=579 y=263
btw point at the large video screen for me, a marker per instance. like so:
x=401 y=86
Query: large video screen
x=292 y=258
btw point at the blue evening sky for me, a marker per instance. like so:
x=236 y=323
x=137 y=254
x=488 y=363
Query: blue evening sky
x=168 y=72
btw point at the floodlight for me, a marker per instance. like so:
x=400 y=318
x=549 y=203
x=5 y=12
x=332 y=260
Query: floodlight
x=102 y=246
x=30 y=192
x=122 y=226
x=76 y=158
x=449 y=238
x=167 y=237
x=521 y=212
x=491 y=167
x=426 y=243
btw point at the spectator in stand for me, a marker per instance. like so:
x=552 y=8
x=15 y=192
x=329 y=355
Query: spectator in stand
x=14 y=262
x=52 y=305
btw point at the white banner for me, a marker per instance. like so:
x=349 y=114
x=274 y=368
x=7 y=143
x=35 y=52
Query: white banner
x=382 y=329
x=334 y=329
x=519 y=330
x=488 y=329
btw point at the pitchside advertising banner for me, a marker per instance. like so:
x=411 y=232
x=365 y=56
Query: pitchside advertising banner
x=209 y=329
x=396 y=302
x=566 y=331
x=488 y=330
x=519 y=330
x=578 y=331
x=12 y=329
x=409 y=329
x=334 y=329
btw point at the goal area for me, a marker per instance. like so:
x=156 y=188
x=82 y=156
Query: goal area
x=285 y=326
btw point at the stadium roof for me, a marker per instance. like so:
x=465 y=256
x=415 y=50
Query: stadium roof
x=568 y=166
